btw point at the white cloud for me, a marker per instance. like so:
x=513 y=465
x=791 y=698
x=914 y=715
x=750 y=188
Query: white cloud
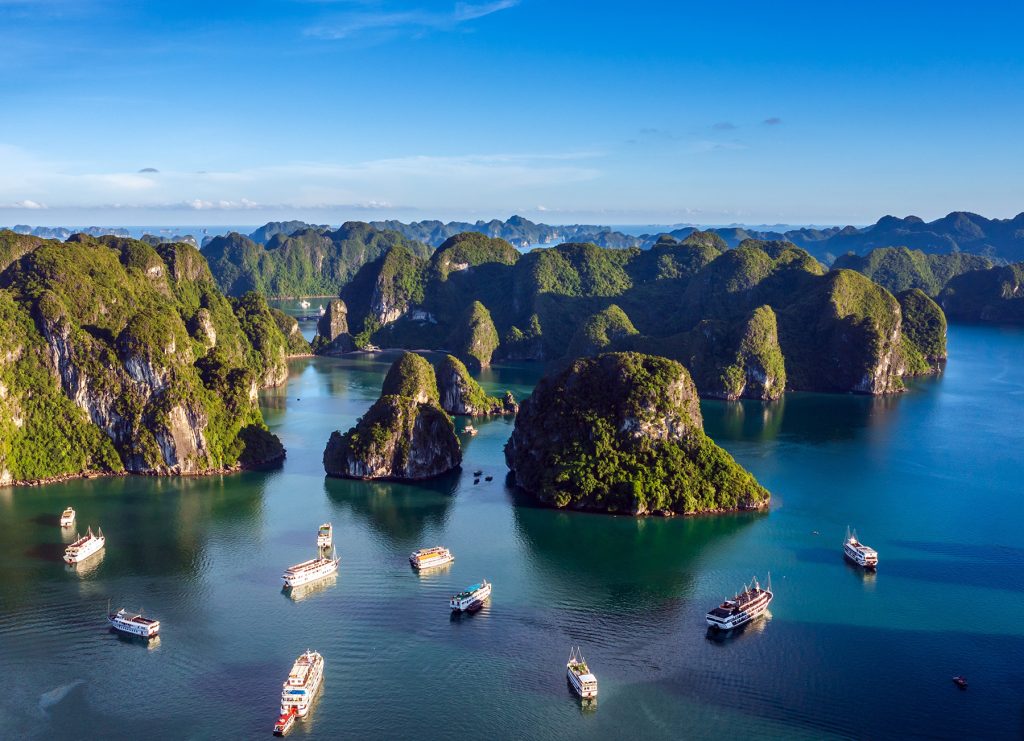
x=414 y=21
x=32 y=205
x=475 y=180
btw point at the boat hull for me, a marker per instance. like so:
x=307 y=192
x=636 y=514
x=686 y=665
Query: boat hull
x=302 y=579
x=474 y=600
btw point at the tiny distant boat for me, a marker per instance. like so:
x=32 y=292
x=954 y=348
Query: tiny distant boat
x=371 y=348
x=325 y=536
x=476 y=481
x=960 y=682
x=462 y=601
x=488 y=478
x=322 y=310
x=747 y=605
x=84 y=547
x=859 y=553
x=304 y=304
x=67 y=517
x=469 y=429
x=478 y=473
x=310 y=571
x=133 y=624
x=581 y=680
x=299 y=690
x=431 y=558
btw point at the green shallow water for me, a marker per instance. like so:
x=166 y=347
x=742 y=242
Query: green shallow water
x=930 y=478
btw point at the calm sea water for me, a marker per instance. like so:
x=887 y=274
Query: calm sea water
x=931 y=478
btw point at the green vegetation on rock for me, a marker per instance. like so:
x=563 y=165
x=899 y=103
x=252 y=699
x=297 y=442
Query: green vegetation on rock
x=405 y=435
x=310 y=262
x=461 y=394
x=475 y=338
x=600 y=332
x=994 y=295
x=622 y=432
x=411 y=375
x=899 y=269
x=115 y=355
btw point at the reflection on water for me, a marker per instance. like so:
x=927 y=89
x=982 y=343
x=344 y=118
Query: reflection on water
x=798 y=416
x=401 y=512
x=150 y=644
x=305 y=591
x=87 y=568
x=594 y=558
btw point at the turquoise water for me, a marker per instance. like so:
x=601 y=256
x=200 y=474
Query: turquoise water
x=930 y=478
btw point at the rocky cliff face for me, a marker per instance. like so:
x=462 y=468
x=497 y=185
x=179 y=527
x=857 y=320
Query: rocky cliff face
x=332 y=334
x=622 y=432
x=396 y=439
x=475 y=337
x=120 y=357
x=461 y=394
x=404 y=436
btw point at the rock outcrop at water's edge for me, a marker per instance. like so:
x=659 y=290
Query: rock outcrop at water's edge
x=332 y=335
x=461 y=394
x=404 y=436
x=622 y=432
x=116 y=356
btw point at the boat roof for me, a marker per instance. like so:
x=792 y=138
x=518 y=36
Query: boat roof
x=588 y=678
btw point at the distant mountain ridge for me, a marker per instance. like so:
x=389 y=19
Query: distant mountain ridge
x=959 y=231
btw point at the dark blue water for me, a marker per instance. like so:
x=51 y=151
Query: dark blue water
x=930 y=478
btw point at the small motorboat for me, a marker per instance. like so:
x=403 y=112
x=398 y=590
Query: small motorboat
x=478 y=473
x=476 y=481
x=960 y=681
x=285 y=722
x=470 y=430
x=67 y=517
x=488 y=478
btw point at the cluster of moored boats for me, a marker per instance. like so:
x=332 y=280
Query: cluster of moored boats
x=305 y=679
x=85 y=547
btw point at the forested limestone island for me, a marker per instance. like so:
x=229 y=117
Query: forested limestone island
x=899 y=268
x=623 y=433
x=117 y=356
x=404 y=436
x=313 y=261
x=995 y=295
x=748 y=322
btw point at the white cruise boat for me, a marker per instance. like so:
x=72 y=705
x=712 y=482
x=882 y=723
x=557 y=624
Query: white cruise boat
x=747 y=605
x=471 y=598
x=578 y=673
x=431 y=558
x=310 y=571
x=859 y=553
x=322 y=310
x=304 y=304
x=325 y=536
x=134 y=624
x=67 y=517
x=299 y=690
x=84 y=547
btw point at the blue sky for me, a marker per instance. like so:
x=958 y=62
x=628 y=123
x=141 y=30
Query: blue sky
x=620 y=113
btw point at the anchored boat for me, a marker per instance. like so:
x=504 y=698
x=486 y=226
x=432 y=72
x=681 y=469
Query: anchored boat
x=464 y=600
x=431 y=558
x=134 y=624
x=859 y=553
x=84 y=547
x=578 y=673
x=299 y=690
x=325 y=536
x=67 y=517
x=310 y=571
x=747 y=605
